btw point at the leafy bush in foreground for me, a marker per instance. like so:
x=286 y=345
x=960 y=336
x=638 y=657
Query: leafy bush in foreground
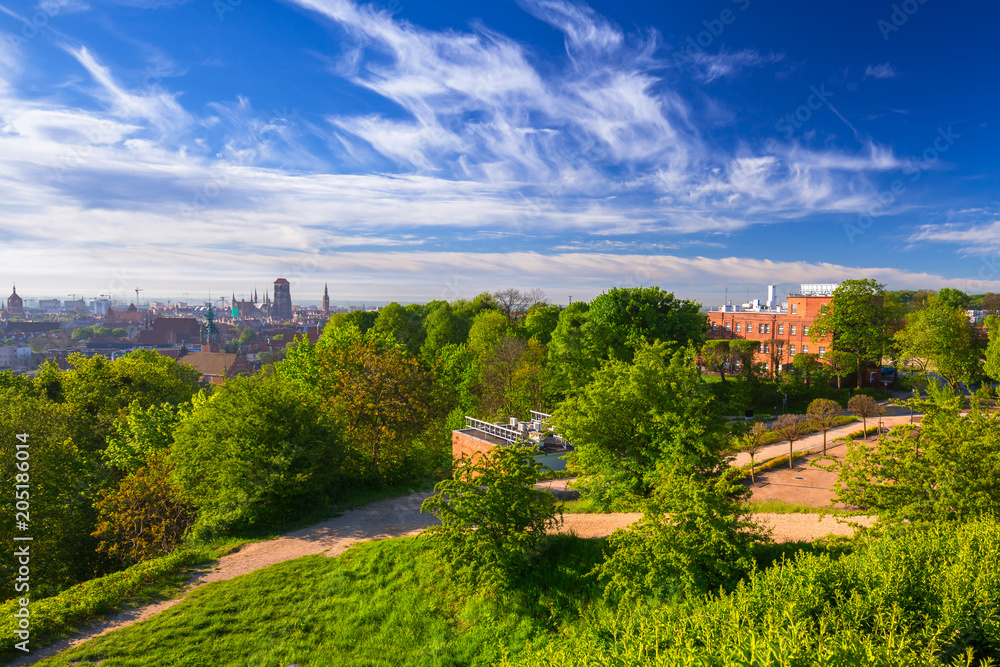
x=492 y=517
x=916 y=597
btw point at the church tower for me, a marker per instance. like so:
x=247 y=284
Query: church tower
x=326 y=299
x=282 y=308
x=15 y=306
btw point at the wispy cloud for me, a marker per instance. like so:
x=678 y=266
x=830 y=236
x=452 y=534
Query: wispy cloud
x=485 y=141
x=883 y=71
x=152 y=104
x=714 y=66
x=972 y=238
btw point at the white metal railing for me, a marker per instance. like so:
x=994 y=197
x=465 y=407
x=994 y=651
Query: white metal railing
x=540 y=416
x=503 y=432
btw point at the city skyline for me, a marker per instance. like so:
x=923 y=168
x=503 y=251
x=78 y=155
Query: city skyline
x=415 y=151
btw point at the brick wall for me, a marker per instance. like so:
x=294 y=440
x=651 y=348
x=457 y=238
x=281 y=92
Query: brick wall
x=807 y=309
x=466 y=443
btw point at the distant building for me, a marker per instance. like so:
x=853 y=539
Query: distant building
x=281 y=309
x=781 y=330
x=15 y=305
x=326 y=299
x=170 y=331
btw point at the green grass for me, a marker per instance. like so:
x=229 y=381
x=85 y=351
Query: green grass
x=59 y=615
x=583 y=506
x=775 y=506
x=380 y=603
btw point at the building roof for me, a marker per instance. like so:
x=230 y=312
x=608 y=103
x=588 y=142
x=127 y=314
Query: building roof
x=32 y=327
x=281 y=281
x=210 y=363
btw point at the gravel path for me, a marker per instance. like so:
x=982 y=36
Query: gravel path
x=395 y=517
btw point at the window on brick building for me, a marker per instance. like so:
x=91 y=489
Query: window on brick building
x=805 y=349
x=728 y=327
x=767 y=328
x=714 y=326
x=760 y=347
x=767 y=347
x=781 y=329
x=822 y=351
x=749 y=327
x=805 y=331
x=760 y=328
x=795 y=308
x=737 y=327
x=792 y=329
x=791 y=350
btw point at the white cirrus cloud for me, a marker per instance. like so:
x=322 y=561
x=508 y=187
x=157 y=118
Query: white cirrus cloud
x=882 y=71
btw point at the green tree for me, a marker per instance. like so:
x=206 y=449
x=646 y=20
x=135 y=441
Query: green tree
x=857 y=321
x=952 y=298
x=62 y=481
x=493 y=519
x=622 y=317
x=141 y=433
x=791 y=428
x=634 y=417
x=822 y=413
x=941 y=337
x=388 y=401
x=807 y=366
x=98 y=392
x=246 y=335
x=944 y=469
x=406 y=327
x=488 y=329
x=716 y=356
x=841 y=364
x=571 y=359
x=510 y=381
x=443 y=327
x=742 y=352
x=541 y=321
x=991 y=365
x=362 y=320
x=257 y=453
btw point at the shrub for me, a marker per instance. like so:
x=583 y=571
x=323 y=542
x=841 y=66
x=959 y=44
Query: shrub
x=915 y=597
x=256 y=454
x=694 y=536
x=492 y=518
x=143 y=517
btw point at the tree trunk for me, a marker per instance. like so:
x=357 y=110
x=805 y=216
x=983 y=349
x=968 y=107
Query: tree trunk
x=790 y=442
x=824 y=443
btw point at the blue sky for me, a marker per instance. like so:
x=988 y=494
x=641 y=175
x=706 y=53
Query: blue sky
x=416 y=149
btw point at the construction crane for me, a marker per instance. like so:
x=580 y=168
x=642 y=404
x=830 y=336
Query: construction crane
x=137 y=290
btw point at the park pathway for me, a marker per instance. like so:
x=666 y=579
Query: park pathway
x=395 y=517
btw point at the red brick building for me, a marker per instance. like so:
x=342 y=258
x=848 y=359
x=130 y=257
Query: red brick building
x=782 y=329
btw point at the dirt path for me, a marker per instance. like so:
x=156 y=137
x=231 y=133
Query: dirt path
x=396 y=517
